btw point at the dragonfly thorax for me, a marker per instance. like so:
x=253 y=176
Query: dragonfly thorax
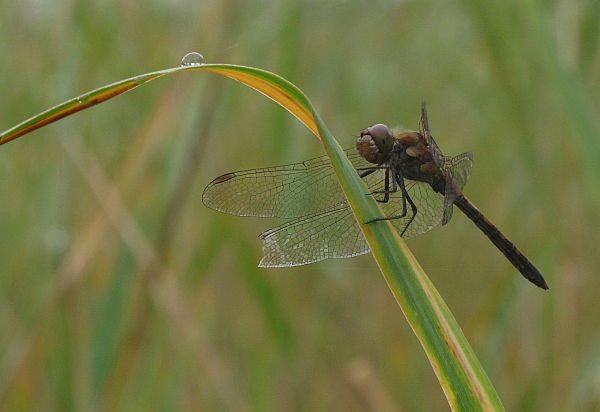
x=405 y=152
x=413 y=159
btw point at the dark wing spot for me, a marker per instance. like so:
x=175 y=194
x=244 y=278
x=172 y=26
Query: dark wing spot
x=223 y=178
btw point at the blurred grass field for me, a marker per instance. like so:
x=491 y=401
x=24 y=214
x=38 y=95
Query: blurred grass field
x=120 y=291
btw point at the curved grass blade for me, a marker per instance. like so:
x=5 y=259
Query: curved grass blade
x=459 y=372
x=270 y=85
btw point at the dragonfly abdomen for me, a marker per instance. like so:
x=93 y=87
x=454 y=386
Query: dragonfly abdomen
x=512 y=253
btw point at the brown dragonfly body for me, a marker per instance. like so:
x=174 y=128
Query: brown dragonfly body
x=406 y=172
x=410 y=155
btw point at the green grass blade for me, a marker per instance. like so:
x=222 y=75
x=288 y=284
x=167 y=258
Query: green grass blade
x=460 y=374
x=270 y=85
x=76 y=104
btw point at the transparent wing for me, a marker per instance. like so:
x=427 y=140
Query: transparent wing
x=323 y=226
x=287 y=191
x=335 y=233
x=436 y=153
x=331 y=234
x=457 y=170
x=430 y=209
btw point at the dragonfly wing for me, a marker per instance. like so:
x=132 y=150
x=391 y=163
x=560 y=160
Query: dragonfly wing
x=457 y=170
x=287 y=191
x=436 y=153
x=333 y=233
x=430 y=209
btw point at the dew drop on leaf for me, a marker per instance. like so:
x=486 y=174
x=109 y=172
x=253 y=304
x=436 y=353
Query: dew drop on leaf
x=192 y=59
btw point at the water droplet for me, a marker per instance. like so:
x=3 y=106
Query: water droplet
x=192 y=59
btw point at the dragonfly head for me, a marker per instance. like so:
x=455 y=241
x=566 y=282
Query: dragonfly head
x=375 y=143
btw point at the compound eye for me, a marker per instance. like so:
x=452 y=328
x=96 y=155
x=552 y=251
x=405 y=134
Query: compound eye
x=379 y=132
x=375 y=143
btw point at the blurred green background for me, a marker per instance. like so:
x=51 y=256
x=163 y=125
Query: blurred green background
x=120 y=291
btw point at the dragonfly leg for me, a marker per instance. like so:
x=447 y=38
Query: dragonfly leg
x=405 y=199
x=386 y=191
x=366 y=171
x=413 y=208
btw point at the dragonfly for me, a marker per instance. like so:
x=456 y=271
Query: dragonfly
x=405 y=171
